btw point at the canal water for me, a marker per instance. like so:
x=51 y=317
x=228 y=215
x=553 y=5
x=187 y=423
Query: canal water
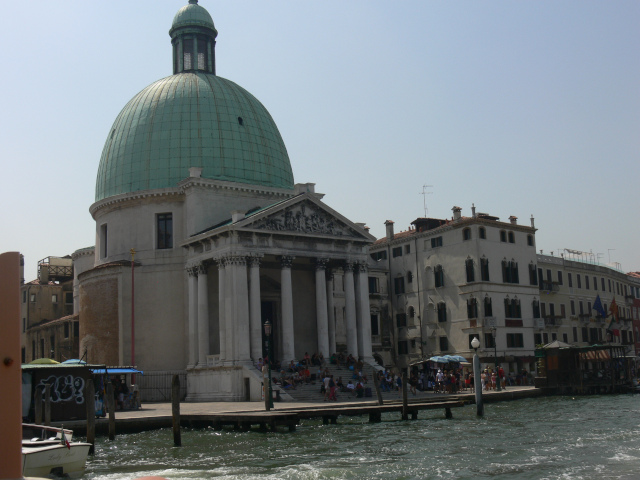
x=595 y=437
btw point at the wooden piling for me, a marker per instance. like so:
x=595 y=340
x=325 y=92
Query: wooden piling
x=37 y=403
x=90 y=401
x=47 y=405
x=112 y=411
x=405 y=413
x=175 y=410
x=447 y=413
x=376 y=384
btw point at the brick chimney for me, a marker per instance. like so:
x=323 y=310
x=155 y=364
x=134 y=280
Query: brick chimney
x=389 y=225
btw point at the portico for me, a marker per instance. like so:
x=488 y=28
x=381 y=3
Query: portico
x=278 y=265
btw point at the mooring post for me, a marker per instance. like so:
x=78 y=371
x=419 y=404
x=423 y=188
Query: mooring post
x=447 y=413
x=376 y=384
x=175 y=410
x=405 y=413
x=477 y=382
x=47 y=405
x=111 y=405
x=37 y=403
x=90 y=400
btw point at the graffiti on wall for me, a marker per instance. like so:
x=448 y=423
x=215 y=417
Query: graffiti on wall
x=64 y=388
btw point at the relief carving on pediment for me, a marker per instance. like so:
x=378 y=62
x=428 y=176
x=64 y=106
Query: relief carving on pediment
x=305 y=219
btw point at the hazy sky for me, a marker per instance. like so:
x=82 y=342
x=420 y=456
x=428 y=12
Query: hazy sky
x=523 y=108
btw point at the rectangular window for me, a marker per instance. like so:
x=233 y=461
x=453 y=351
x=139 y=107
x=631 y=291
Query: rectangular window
x=436 y=242
x=374 y=285
x=444 y=344
x=54 y=298
x=595 y=283
x=579 y=281
x=68 y=298
x=609 y=285
x=575 y=334
x=585 y=334
x=398 y=285
x=570 y=279
x=563 y=313
x=407 y=249
x=103 y=241
x=552 y=310
x=515 y=340
x=438 y=273
x=377 y=256
x=572 y=306
x=165 y=230
x=24 y=325
x=52 y=345
x=66 y=330
x=537 y=338
x=554 y=337
x=401 y=320
x=581 y=307
x=375 y=325
x=403 y=347
x=33 y=298
x=396 y=252
x=76 y=329
x=586 y=282
x=559 y=277
x=489 y=341
x=24 y=296
x=565 y=338
x=602 y=283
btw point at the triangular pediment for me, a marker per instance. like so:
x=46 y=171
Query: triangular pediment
x=304 y=214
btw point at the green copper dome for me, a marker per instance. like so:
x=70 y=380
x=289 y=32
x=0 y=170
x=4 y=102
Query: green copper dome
x=192 y=120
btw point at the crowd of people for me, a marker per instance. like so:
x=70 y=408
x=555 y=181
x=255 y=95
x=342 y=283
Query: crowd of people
x=449 y=379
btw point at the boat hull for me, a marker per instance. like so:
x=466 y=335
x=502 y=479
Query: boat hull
x=57 y=459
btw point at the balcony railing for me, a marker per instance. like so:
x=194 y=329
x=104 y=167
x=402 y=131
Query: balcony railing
x=551 y=287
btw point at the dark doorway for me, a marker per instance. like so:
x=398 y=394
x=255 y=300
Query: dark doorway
x=268 y=312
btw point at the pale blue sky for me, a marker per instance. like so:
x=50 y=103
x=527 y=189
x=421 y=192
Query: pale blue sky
x=523 y=108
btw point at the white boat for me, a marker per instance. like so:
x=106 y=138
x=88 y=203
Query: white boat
x=50 y=451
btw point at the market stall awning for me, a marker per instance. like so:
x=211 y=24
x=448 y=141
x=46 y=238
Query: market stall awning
x=115 y=371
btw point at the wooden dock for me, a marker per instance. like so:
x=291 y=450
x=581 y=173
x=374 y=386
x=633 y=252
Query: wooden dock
x=244 y=416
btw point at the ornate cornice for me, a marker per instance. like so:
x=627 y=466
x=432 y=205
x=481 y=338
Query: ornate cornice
x=128 y=197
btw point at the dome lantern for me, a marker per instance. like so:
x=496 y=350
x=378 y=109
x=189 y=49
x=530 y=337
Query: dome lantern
x=193 y=37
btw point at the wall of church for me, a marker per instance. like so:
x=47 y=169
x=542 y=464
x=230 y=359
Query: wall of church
x=100 y=316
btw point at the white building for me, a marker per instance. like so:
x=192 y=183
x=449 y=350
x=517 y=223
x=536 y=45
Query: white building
x=452 y=280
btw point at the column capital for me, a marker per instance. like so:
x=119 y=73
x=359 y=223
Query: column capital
x=235 y=260
x=192 y=270
x=202 y=268
x=361 y=267
x=286 y=261
x=348 y=266
x=321 y=263
x=253 y=261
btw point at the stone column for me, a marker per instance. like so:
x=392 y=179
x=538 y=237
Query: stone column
x=222 y=325
x=255 y=312
x=193 y=316
x=364 y=314
x=288 y=346
x=203 y=315
x=331 y=315
x=350 y=310
x=322 y=319
x=230 y=334
x=240 y=284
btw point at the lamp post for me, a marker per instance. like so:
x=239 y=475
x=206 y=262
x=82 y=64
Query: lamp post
x=268 y=404
x=477 y=382
x=495 y=355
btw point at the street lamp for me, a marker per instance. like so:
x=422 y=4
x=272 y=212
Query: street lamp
x=495 y=354
x=267 y=332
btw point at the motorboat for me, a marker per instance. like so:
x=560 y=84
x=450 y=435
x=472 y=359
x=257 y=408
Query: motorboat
x=51 y=451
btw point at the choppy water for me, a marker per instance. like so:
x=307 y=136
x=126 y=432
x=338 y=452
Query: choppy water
x=548 y=438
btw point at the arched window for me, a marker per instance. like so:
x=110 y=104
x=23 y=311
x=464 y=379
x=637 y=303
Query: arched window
x=438 y=273
x=488 y=308
x=468 y=265
x=442 y=312
x=510 y=271
x=536 y=308
x=466 y=234
x=472 y=308
x=484 y=269
x=411 y=311
x=533 y=274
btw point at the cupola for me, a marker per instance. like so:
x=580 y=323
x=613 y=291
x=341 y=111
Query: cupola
x=193 y=37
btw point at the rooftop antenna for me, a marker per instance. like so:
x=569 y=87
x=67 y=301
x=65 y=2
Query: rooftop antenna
x=424 y=197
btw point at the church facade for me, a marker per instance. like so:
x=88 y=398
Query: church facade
x=202 y=236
